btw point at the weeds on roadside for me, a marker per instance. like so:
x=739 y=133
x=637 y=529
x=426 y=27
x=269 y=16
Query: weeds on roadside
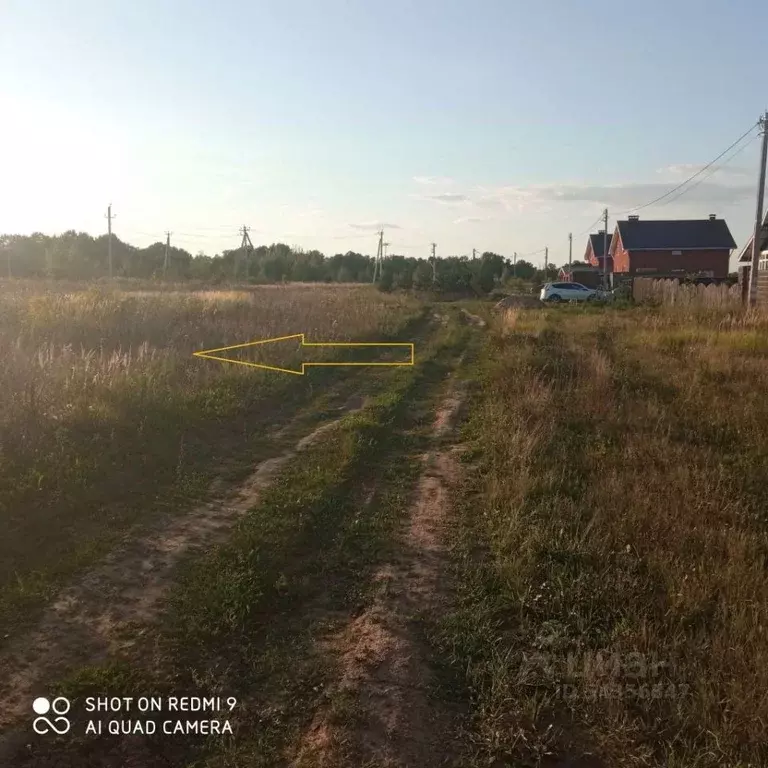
x=612 y=547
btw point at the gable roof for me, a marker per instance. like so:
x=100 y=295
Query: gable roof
x=598 y=241
x=679 y=234
x=745 y=257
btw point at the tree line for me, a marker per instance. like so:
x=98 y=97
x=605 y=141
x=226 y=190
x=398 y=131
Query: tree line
x=78 y=255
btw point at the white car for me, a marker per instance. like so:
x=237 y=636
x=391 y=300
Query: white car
x=567 y=292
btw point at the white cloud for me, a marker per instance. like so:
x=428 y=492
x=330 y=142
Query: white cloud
x=684 y=170
x=629 y=195
x=540 y=198
x=448 y=198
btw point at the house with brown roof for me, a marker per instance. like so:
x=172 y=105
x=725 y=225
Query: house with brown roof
x=672 y=248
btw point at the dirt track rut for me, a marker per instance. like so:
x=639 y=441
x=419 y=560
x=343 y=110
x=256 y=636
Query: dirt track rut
x=110 y=607
x=384 y=662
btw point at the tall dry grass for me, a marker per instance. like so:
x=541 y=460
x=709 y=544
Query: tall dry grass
x=103 y=405
x=621 y=606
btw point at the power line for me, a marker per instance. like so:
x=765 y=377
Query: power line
x=677 y=188
x=531 y=253
x=714 y=170
x=143 y=234
x=346 y=237
x=218 y=227
x=591 y=226
x=691 y=178
x=670 y=196
x=202 y=237
x=399 y=244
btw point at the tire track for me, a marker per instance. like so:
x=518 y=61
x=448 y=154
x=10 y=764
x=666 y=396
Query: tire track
x=110 y=608
x=384 y=663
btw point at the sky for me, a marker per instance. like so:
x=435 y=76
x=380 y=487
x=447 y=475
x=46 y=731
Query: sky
x=499 y=125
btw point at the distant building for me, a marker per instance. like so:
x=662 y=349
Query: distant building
x=745 y=263
x=578 y=273
x=672 y=248
x=595 y=248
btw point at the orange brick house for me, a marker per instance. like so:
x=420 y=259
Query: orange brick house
x=672 y=248
x=594 y=252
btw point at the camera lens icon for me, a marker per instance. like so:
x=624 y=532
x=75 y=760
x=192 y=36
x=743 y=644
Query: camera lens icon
x=42 y=706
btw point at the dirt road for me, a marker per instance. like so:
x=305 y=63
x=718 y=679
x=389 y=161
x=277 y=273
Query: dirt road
x=106 y=611
x=384 y=663
x=303 y=588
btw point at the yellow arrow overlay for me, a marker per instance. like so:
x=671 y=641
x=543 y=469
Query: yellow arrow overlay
x=210 y=354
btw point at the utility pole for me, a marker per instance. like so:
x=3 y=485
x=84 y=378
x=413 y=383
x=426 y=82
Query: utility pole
x=434 y=264
x=605 y=249
x=474 y=254
x=109 y=218
x=246 y=246
x=514 y=265
x=377 y=260
x=570 y=248
x=167 y=252
x=546 y=262
x=758 y=214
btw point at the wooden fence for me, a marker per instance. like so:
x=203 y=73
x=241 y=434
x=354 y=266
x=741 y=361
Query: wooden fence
x=672 y=292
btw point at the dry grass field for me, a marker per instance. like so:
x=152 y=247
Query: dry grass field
x=182 y=526
x=104 y=405
x=545 y=544
x=614 y=600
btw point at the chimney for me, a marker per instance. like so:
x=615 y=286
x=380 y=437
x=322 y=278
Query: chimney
x=712 y=216
x=634 y=218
